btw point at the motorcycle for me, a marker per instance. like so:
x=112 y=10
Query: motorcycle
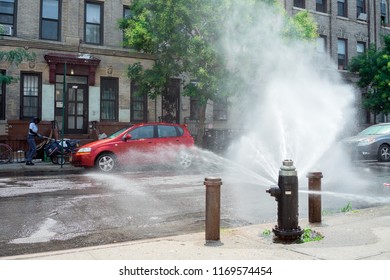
x=59 y=151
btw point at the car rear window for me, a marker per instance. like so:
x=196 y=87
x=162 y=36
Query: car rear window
x=181 y=130
x=167 y=131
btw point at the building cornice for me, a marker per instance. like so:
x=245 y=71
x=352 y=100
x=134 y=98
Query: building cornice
x=81 y=48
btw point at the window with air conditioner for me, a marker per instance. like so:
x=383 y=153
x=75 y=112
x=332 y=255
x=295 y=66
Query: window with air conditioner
x=7 y=17
x=361 y=10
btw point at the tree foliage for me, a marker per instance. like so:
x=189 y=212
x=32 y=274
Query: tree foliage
x=182 y=34
x=184 y=37
x=373 y=68
x=15 y=56
x=302 y=26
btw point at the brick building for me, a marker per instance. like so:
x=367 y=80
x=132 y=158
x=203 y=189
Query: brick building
x=83 y=39
x=347 y=28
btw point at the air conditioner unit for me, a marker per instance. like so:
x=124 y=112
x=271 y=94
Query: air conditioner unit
x=6 y=30
x=362 y=16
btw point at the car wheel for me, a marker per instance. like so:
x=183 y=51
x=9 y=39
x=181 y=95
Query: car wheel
x=185 y=159
x=384 y=153
x=106 y=162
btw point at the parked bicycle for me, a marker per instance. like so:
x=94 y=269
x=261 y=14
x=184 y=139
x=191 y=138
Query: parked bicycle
x=60 y=151
x=5 y=153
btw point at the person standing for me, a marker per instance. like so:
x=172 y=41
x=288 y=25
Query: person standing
x=32 y=133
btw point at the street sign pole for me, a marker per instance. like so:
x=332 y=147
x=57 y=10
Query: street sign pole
x=63 y=117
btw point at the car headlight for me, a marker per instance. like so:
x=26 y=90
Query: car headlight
x=367 y=141
x=84 y=150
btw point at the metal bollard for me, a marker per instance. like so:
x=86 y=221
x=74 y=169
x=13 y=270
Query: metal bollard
x=213 y=205
x=314 y=198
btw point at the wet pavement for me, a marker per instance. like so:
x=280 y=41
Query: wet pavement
x=356 y=235
x=352 y=235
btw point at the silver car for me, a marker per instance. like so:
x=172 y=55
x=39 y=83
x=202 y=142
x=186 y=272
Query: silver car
x=372 y=143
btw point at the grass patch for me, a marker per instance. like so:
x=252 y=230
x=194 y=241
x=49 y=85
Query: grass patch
x=347 y=208
x=311 y=235
x=267 y=232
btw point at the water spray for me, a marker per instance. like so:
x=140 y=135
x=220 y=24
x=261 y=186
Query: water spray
x=286 y=194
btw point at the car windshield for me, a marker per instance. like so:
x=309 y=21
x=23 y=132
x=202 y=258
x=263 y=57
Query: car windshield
x=115 y=134
x=376 y=130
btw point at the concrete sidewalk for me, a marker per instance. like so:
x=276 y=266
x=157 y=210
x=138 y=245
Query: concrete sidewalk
x=356 y=235
x=39 y=167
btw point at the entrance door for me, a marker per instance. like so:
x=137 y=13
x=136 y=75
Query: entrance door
x=76 y=113
x=171 y=103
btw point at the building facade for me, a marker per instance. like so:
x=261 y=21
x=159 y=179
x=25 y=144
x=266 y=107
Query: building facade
x=78 y=81
x=347 y=28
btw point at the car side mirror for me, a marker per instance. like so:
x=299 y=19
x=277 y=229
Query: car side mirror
x=127 y=137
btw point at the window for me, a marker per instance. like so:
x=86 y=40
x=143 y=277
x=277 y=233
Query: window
x=342 y=54
x=361 y=9
x=2 y=98
x=360 y=47
x=342 y=8
x=321 y=44
x=31 y=85
x=321 y=6
x=166 y=131
x=126 y=14
x=7 y=17
x=299 y=3
x=50 y=19
x=220 y=110
x=93 y=23
x=194 y=109
x=384 y=12
x=109 y=99
x=138 y=105
x=142 y=132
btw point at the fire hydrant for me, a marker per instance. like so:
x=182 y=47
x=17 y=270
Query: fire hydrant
x=286 y=194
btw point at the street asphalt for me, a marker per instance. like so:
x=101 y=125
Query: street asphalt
x=355 y=235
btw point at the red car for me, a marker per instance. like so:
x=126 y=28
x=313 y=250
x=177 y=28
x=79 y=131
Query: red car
x=138 y=144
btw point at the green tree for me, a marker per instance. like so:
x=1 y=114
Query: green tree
x=373 y=68
x=15 y=56
x=184 y=37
